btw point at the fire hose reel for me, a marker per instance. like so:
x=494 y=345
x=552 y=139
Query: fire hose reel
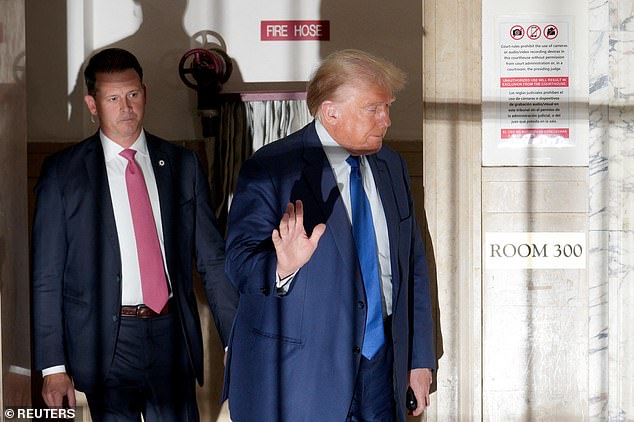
x=202 y=69
x=205 y=70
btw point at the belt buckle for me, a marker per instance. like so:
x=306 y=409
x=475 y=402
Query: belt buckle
x=143 y=311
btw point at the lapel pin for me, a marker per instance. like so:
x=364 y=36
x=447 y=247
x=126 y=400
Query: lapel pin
x=161 y=163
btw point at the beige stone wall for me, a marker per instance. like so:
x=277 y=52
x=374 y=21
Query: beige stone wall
x=451 y=178
x=521 y=344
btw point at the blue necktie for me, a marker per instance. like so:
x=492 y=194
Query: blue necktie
x=365 y=240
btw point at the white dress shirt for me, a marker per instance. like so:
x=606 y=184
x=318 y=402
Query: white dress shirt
x=341 y=169
x=131 y=291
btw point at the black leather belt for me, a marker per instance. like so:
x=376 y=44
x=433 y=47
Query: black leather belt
x=143 y=311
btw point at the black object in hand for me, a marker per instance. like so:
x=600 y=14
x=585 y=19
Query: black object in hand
x=410 y=400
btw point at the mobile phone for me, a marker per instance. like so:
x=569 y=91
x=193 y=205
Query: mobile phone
x=410 y=400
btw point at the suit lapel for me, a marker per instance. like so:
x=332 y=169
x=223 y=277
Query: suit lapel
x=322 y=182
x=95 y=166
x=162 y=166
x=385 y=186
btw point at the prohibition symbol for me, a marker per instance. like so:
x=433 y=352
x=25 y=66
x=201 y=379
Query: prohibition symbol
x=517 y=32
x=551 y=32
x=533 y=32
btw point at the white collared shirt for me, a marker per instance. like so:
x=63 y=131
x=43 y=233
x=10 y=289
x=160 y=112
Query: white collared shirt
x=131 y=291
x=341 y=169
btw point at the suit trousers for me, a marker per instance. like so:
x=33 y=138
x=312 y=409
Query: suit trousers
x=373 y=398
x=150 y=375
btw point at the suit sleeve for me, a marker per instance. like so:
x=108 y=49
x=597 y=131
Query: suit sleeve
x=421 y=323
x=210 y=258
x=49 y=248
x=251 y=261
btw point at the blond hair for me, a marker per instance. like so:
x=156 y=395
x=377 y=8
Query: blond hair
x=346 y=67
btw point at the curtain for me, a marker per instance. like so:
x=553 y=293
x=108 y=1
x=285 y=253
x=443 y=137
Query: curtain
x=244 y=128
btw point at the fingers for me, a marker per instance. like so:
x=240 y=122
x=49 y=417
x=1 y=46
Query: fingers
x=55 y=388
x=71 y=396
x=291 y=221
x=284 y=223
x=49 y=399
x=299 y=213
x=289 y=224
x=420 y=380
x=54 y=399
x=421 y=402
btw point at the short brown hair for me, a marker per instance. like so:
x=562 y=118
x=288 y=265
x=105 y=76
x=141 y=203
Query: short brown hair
x=347 y=66
x=110 y=60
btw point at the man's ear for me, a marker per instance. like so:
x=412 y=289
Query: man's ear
x=90 y=102
x=330 y=113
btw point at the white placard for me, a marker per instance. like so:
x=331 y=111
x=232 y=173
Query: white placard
x=534 y=85
x=534 y=250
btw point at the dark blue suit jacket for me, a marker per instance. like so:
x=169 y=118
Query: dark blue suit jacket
x=77 y=266
x=294 y=357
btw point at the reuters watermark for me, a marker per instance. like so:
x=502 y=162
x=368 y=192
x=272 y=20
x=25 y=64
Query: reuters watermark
x=17 y=413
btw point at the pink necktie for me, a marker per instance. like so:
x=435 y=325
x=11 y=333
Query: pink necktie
x=153 y=281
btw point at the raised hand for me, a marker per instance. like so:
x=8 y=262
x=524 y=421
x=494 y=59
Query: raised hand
x=292 y=246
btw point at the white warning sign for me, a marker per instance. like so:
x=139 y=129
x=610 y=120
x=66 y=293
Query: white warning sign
x=534 y=84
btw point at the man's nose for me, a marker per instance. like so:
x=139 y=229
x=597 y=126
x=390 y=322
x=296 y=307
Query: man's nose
x=126 y=104
x=384 y=117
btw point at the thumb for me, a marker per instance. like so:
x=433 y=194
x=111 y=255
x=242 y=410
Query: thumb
x=318 y=231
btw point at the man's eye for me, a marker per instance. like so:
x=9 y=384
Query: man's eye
x=134 y=94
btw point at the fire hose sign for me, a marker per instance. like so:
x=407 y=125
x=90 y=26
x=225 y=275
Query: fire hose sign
x=295 y=30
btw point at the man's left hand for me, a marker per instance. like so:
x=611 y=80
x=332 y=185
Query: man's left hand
x=420 y=380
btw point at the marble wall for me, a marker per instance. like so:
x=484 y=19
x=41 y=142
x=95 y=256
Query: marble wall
x=534 y=320
x=610 y=211
x=451 y=180
x=530 y=345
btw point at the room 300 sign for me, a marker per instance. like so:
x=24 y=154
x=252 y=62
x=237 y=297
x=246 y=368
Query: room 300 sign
x=509 y=250
x=525 y=250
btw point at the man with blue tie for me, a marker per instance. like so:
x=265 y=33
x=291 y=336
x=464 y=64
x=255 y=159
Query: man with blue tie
x=120 y=220
x=334 y=320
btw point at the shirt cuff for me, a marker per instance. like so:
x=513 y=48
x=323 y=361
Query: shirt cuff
x=59 y=369
x=283 y=284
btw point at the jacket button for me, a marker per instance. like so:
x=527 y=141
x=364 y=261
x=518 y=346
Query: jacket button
x=360 y=304
x=356 y=350
x=265 y=291
x=114 y=318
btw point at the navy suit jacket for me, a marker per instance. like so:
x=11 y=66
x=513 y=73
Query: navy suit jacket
x=77 y=265
x=294 y=357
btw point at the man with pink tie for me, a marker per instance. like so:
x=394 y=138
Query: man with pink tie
x=120 y=219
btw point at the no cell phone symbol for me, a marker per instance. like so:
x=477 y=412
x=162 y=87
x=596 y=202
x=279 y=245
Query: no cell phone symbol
x=533 y=32
x=551 y=32
x=517 y=32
